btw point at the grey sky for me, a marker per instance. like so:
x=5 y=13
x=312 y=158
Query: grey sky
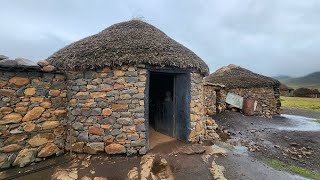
x=271 y=37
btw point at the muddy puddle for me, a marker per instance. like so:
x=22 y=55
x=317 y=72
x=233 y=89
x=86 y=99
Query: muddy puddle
x=299 y=123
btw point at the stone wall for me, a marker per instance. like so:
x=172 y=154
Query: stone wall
x=107 y=110
x=210 y=100
x=32 y=116
x=266 y=97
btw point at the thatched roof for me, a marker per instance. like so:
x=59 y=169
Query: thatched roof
x=233 y=76
x=131 y=42
x=284 y=87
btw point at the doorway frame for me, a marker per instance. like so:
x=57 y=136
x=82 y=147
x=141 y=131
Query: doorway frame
x=173 y=71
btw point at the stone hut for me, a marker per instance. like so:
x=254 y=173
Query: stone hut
x=111 y=90
x=285 y=90
x=245 y=83
x=306 y=92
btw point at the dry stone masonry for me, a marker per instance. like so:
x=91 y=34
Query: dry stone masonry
x=107 y=110
x=32 y=116
x=268 y=102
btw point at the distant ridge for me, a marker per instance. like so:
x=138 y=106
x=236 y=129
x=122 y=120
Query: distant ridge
x=311 y=80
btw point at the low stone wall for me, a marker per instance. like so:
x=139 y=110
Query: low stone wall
x=32 y=116
x=107 y=110
x=266 y=97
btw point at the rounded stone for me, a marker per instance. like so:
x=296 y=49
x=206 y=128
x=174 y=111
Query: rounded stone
x=11 y=118
x=25 y=156
x=115 y=149
x=50 y=124
x=19 y=81
x=10 y=148
x=33 y=114
x=6 y=110
x=106 y=112
x=29 y=127
x=48 y=150
x=30 y=91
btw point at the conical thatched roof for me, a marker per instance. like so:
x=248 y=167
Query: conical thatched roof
x=131 y=42
x=284 y=87
x=233 y=76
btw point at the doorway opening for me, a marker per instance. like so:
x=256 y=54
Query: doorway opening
x=169 y=107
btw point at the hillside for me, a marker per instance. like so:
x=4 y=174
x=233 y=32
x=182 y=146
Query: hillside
x=309 y=81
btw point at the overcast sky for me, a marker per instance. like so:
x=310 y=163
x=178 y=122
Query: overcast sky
x=271 y=37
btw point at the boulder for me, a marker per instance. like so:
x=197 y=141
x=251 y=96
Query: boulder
x=48 y=150
x=115 y=149
x=25 y=157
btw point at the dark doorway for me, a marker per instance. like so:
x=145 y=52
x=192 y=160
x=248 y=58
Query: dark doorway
x=161 y=105
x=169 y=103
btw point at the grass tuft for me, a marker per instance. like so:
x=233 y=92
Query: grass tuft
x=312 y=104
x=276 y=164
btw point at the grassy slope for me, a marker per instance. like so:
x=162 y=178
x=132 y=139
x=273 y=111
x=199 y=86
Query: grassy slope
x=301 y=103
x=309 y=81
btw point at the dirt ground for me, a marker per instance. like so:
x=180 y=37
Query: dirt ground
x=289 y=138
x=292 y=139
x=169 y=159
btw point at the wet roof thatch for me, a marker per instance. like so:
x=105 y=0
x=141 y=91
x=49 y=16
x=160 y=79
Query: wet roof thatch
x=131 y=42
x=233 y=76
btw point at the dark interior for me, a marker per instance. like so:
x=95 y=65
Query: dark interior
x=169 y=103
x=161 y=102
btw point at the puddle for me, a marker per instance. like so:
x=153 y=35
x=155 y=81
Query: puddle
x=300 y=123
x=240 y=150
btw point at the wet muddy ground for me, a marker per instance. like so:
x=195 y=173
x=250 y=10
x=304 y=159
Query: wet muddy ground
x=171 y=159
x=293 y=139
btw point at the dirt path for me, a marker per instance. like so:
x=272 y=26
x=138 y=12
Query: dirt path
x=294 y=140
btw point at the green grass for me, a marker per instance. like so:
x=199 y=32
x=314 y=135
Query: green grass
x=276 y=164
x=316 y=120
x=301 y=103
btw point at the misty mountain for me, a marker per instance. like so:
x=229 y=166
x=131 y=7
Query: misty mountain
x=309 y=81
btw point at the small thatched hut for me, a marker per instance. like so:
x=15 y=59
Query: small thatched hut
x=306 y=92
x=245 y=83
x=285 y=90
